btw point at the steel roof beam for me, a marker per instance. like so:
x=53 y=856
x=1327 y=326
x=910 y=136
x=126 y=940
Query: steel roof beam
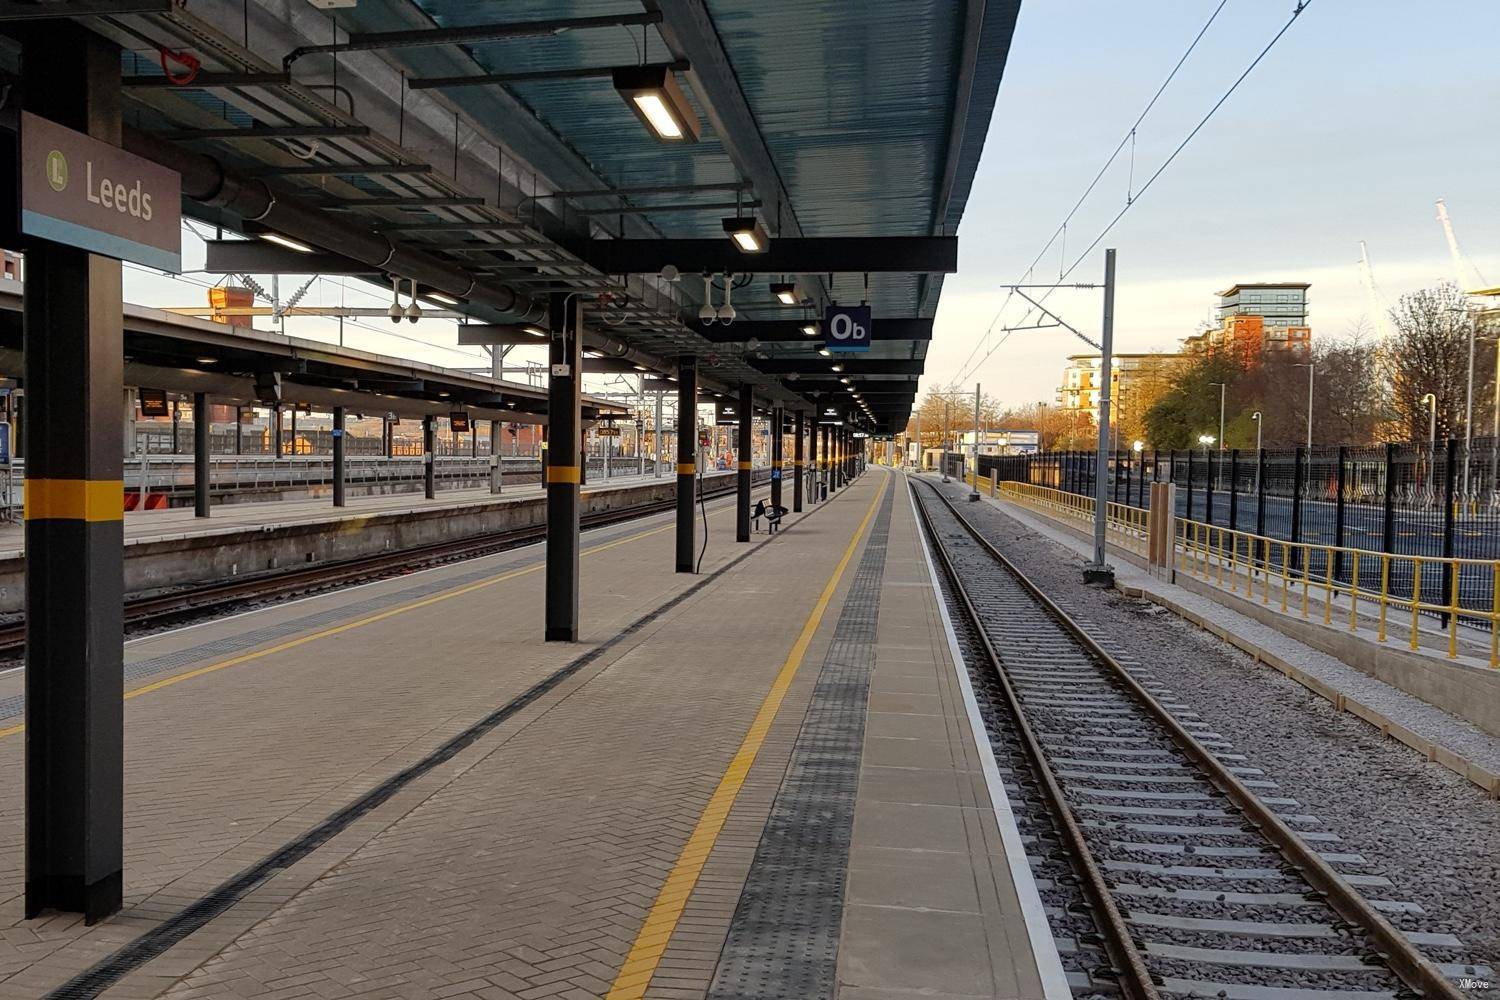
x=415 y=202
x=453 y=227
x=790 y=330
x=260 y=257
x=819 y=365
x=819 y=255
x=22 y=11
x=265 y=132
x=707 y=206
x=208 y=81
x=622 y=192
x=338 y=170
x=365 y=41
x=495 y=79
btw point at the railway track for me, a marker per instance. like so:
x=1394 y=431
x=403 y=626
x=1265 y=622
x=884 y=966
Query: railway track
x=158 y=610
x=1168 y=864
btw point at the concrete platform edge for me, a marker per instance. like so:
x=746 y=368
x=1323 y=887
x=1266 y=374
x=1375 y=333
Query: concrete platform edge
x=1039 y=932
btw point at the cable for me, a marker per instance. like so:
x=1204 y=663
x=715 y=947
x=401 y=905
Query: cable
x=703 y=509
x=1302 y=5
x=1129 y=137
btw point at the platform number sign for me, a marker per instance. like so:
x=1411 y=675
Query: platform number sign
x=847 y=328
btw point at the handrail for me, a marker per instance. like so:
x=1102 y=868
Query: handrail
x=1359 y=585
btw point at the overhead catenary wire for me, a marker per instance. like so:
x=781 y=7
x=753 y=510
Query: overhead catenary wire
x=1302 y=5
x=1128 y=138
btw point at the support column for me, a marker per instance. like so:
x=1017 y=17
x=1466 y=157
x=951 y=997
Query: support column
x=201 y=469
x=687 y=459
x=797 y=435
x=276 y=449
x=338 y=456
x=496 y=476
x=778 y=418
x=74 y=369
x=826 y=465
x=813 y=463
x=239 y=437
x=743 y=464
x=429 y=459
x=564 y=458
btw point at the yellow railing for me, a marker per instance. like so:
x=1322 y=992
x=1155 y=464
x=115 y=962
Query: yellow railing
x=1362 y=588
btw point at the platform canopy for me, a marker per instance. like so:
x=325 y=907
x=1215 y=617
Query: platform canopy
x=497 y=151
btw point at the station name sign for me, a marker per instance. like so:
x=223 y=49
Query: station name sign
x=81 y=192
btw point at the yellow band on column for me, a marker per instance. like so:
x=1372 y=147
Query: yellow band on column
x=563 y=474
x=74 y=500
x=744 y=466
x=687 y=469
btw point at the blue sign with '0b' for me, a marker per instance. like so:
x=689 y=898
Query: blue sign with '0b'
x=847 y=328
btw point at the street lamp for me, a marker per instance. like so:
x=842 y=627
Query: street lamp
x=1259 y=426
x=1430 y=401
x=1138 y=447
x=1309 y=367
x=1206 y=440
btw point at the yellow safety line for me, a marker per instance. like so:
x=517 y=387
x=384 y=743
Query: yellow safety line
x=651 y=942
x=423 y=602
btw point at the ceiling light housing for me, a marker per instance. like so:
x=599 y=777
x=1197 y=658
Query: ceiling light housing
x=286 y=241
x=747 y=234
x=653 y=94
x=535 y=331
x=785 y=292
x=439 y=298
x=809 y=329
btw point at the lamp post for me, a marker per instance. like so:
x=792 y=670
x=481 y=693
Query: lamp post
x=1430 y=401
x=1259 y=426
x=1309 y=367
x=1222 y=387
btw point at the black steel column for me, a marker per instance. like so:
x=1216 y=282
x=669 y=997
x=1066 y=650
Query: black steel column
x=1234 y=489
x=778 y=417
x=798 y=433
x=1388 y=502
x=1299 y=474
x=687 y=459
x=338 y=456
x=74 y=368
x=1338 y=512
x=1260 y=491
x=1450 y=466
x=276 y=448
x=429 y=459
x=239 y=437
x=742 y=459
x=563 y=475
x=812 y=460
x=201 y=470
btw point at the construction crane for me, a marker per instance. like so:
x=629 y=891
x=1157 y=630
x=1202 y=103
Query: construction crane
x=1373 y=297
x=1464 y=271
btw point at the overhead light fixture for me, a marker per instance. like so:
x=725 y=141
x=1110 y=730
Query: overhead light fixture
x=640 y=368
x=443 y=394
x=207 y=360
x=810 y=329
x=592 y=354
x=748 y=234
x=844 y=379
x=286 y=241
x=654 y=95
x=440 y=298
x=837 y=368
x=825 y=352
x=535 y=331
x=785 y=292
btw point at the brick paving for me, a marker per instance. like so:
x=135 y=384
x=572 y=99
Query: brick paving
x=520 y=866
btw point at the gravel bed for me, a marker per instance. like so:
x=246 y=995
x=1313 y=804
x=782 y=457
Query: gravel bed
x=1431 y=832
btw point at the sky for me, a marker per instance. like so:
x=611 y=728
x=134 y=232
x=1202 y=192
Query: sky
x=1363 y=115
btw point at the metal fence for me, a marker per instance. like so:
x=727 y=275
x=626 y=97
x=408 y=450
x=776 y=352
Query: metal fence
x=1440 y=501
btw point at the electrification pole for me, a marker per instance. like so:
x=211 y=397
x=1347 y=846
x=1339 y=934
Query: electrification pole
x=1099 y=571
x=974 y=452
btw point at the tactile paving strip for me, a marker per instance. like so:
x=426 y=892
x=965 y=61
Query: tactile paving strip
x=784 y=938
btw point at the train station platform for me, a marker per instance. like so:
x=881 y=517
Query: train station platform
x=171 y=549
x=762 y=780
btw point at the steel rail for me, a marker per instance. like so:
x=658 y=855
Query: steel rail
x=161 y=609
x=1404 y=959
x=1134 y=978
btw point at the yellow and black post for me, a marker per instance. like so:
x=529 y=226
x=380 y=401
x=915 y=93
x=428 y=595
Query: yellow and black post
x=742 y=456
x=797 y=434
x=339 y=477
x=429 y=459
x=778 y=418
x=564 y=417
x=563 y=477
x=813 y=462
x=687 y=458
x=201 y=471
x=74 y=508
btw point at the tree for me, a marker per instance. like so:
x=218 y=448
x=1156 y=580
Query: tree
x=1428 y=352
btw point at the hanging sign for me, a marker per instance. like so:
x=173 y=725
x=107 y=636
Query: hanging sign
x=88 y=194
x=458 y=420
x=847 y=328
x=154 y=402
x=607 y=432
